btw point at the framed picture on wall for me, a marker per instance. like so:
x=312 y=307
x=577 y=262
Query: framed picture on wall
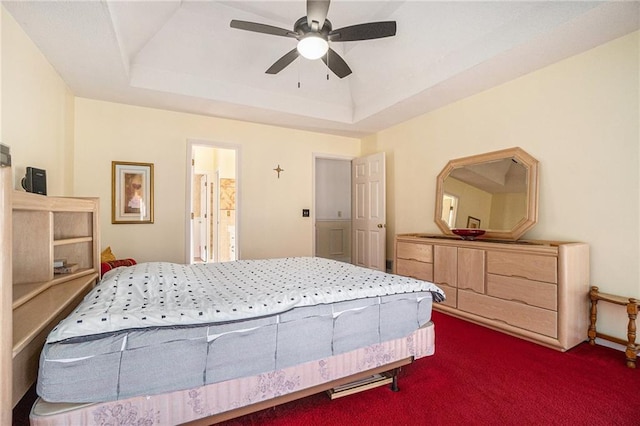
x=473 y=222
x=131 y=192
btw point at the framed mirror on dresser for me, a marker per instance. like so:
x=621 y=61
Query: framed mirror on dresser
x=496 y=192
x=535 y=290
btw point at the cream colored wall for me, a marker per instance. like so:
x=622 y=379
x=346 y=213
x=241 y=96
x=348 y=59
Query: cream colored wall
x=211 y=159
x=2 y=13
x=507 y=210
x=226 y=163
x=579 y=118
x=204 y=159
x=271 y=223
x=476 y=202
x=37 y=111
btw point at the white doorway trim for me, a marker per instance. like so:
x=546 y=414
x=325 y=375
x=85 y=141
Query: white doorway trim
x=320 y=156
x=188 y=247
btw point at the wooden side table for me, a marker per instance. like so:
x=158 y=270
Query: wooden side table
x=632 y=311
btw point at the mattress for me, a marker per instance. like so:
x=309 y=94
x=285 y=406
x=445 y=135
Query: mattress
x=157 y=360
x=218 y=322
x=195 y=403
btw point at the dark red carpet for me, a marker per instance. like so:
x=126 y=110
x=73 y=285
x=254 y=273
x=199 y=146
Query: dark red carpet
x=483 y=377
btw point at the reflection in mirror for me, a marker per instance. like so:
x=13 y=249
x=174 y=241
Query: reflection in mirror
x=449 y=209
x=495 y=191
x=493 y=194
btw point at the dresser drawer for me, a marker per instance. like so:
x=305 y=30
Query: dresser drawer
x=421 y=252
x=530 y=266
x=445 y=265
x=415 y=269
x=534 y=293
x=537 y=320
x=471 y=270
x=452 y=295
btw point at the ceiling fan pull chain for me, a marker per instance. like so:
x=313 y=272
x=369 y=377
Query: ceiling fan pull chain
x=328 y=66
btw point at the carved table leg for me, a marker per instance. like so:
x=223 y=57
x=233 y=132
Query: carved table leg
x=593 y=295
x=632 y=311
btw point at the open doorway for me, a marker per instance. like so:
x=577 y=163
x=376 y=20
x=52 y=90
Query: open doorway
x=212 y=205
x=332 y=199
x=350 y=209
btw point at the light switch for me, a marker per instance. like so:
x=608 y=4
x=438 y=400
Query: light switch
x=305 y=212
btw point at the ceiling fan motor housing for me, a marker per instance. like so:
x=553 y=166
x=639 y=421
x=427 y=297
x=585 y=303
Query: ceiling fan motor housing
x=302 y=27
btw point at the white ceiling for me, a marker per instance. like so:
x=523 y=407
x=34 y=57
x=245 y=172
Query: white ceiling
x=183 y=55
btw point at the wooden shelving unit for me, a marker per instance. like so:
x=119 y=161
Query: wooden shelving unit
x=6 y=298
x=42 y=229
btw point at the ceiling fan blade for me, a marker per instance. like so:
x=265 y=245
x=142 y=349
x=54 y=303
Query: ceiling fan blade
x=317 y=11
x=336 y=64
x=262 y=28
x=282 y=63
x=369 y=31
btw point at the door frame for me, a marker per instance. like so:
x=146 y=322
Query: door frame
x=188 y=246
x=323 y=156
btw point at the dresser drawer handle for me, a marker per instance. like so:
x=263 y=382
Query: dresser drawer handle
x=413 y=258
x=500 y=320
x=519 y=276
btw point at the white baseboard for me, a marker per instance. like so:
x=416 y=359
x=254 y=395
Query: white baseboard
x=607 y=343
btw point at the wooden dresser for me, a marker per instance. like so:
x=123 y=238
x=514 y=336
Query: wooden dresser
x=36 y=230
x=535 y=290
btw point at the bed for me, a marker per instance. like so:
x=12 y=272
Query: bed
x=164 y=343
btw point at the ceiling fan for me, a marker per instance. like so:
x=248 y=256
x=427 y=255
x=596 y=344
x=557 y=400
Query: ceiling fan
x=314 y=32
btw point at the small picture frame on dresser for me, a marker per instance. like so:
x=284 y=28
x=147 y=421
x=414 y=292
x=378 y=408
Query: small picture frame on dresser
x=473 y=223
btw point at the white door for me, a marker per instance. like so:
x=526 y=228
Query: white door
x=204 y=219
x=369 y=217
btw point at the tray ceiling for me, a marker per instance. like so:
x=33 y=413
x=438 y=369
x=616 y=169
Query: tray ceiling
x=183 y=55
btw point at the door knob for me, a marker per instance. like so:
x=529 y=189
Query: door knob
x=380 y=225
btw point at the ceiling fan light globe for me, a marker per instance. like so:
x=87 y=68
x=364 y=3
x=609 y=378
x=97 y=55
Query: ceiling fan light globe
x=313 y=47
